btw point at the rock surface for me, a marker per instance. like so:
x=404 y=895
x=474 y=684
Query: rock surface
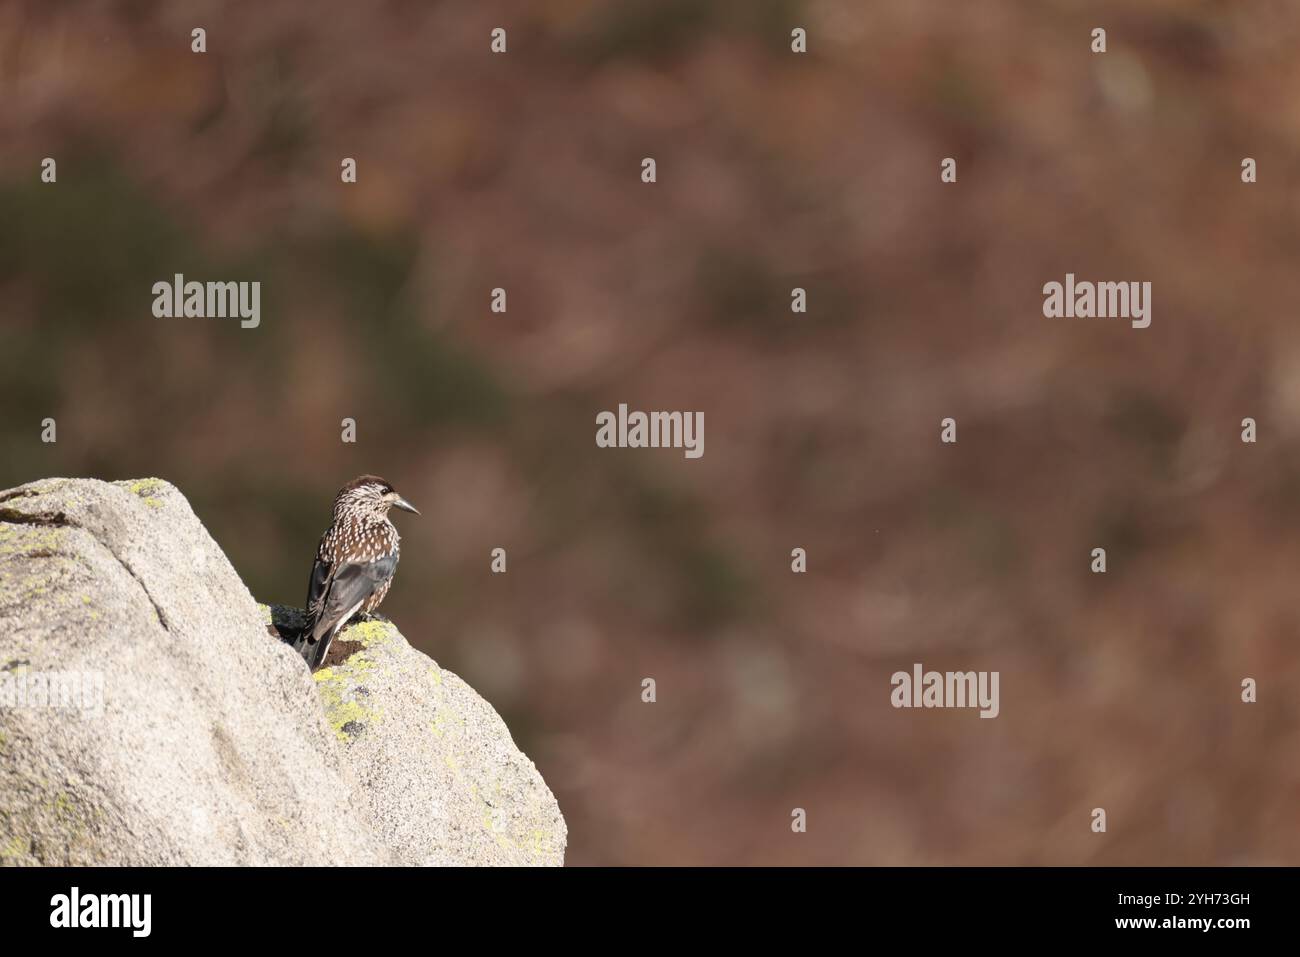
x=198 y=739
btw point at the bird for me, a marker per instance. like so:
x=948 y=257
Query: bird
x=355 y=563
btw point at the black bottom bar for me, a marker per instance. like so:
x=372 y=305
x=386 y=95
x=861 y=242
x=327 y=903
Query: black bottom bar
x=333 y=906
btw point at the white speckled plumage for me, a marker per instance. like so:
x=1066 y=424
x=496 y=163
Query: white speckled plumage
x=355 y=561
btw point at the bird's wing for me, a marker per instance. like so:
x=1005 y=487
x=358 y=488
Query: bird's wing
x=317 y=589
x=343 y=587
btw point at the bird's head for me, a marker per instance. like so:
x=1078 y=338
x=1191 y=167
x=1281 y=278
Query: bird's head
x=369 y=496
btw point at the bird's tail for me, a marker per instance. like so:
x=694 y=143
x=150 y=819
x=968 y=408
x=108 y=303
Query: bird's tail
x=313 y=648
x=291 y=628
x=304 y=645
x=319 y=650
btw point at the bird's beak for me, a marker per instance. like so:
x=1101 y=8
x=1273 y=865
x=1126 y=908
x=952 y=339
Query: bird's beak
x=406 y=506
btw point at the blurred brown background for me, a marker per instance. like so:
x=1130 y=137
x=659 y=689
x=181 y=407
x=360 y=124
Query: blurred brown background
x=822 y=431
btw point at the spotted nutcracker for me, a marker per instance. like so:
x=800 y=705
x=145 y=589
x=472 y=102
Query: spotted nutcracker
x=355 y=563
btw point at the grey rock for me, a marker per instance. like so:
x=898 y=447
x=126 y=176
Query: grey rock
x=211 y=743
x=415 y=733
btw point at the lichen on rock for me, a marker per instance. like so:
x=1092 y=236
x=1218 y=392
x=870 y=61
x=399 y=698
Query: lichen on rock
x=409 y=727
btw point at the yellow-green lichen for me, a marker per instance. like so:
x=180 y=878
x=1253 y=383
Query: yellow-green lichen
x=490 y=819
x=15 y=847
x=74 y=818
x=336 y=689
x=369 y=633
x=147 y=489
x=35 y=541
